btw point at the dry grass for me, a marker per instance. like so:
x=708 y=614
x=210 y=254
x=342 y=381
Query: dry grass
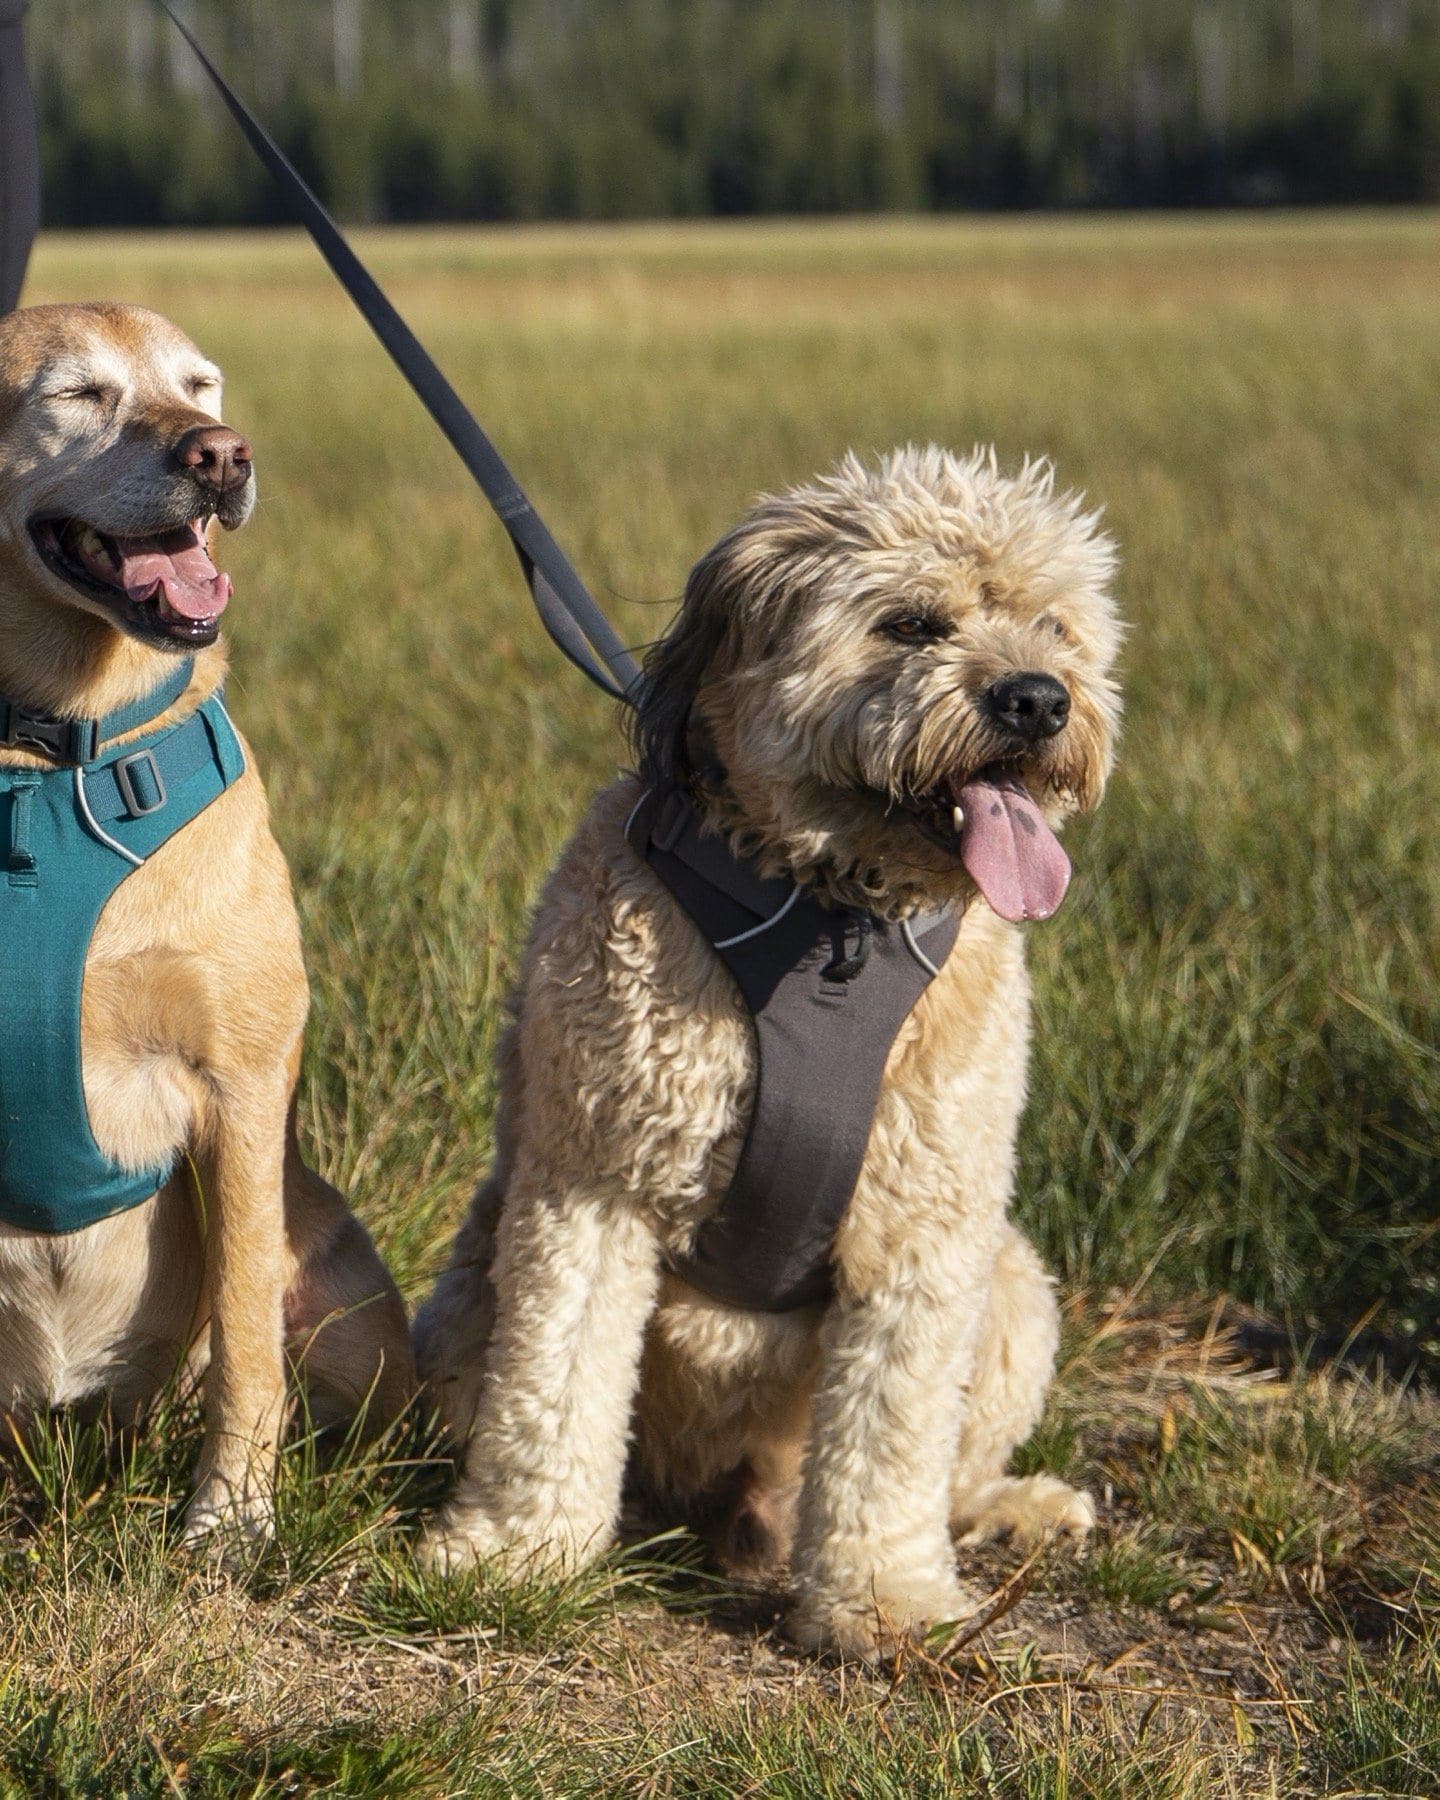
x=1236 y=1087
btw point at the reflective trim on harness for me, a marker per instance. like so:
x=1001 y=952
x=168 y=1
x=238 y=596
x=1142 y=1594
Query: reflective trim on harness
x=825 y=1022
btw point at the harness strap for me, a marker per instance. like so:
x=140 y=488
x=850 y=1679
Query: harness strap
x=566 y=608
x=825 y=1023
x=81 y=740
x=137 y=783
x=674 y=829
x=19 y=157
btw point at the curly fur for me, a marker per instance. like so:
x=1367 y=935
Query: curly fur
x=555 y=1344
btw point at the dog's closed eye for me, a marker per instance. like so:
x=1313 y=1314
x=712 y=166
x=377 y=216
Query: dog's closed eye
x=91 y=393
x=914 y=628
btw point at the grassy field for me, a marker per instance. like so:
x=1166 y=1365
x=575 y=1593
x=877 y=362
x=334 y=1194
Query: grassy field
x=1229 y=1154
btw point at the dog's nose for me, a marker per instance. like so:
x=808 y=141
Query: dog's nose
x=1030 y=706
x=216 y=457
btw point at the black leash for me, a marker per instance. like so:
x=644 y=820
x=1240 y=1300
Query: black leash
x=566 y=608
x=19 y=157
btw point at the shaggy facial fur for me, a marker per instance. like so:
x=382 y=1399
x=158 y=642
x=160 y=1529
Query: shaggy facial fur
x=113 y=468
x=836 y=655
x=857 y=658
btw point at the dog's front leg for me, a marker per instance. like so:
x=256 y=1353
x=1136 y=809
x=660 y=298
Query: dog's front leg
x=575 y=1277
x=241 y=1171
x=873 y=1561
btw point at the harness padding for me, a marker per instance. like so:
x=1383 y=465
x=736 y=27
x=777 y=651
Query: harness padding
x=70 y=837
x=825 y=1021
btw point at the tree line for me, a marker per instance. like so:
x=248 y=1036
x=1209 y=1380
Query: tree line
x=525 y=109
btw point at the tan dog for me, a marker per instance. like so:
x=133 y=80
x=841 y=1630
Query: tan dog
x=112 y=467
x=855 y=661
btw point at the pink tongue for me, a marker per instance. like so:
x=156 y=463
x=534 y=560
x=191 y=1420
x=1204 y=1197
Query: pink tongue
x=177 y=566
x=1010 y=853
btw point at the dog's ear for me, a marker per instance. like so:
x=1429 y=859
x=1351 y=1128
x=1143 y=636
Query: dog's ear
x=736 y=605
x=702 y=636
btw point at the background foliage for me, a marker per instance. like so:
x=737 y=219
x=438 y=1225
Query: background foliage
x=522 y=109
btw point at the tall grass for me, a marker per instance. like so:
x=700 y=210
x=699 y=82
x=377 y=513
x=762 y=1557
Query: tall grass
x=1236 y=1082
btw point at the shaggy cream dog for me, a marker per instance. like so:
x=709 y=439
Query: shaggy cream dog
x=856 y=660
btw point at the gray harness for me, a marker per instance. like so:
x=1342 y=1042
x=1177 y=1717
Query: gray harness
x=826 y=1016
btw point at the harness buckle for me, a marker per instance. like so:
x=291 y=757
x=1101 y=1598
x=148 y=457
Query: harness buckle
x=137 y=804
x=67 y=740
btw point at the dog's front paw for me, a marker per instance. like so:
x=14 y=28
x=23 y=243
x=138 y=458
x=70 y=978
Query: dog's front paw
x=876 y=1626
x=457 y=1539
x=228 y=1514
x=463 y=1536
x=1028 y=1509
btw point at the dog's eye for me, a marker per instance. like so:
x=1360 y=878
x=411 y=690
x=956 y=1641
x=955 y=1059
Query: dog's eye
x=201 y=384
x=914 y=628
x=91 y=392
x=1048 y=622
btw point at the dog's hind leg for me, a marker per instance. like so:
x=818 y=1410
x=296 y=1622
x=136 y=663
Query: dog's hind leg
x=346 y=1333
x=1015 y=1362
x=753 y=1538
x=722 y=1421
x=452 y=1328
x=574 y=1276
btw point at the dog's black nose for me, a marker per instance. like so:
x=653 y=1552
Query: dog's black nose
x=216 y=457
x=1030 y=706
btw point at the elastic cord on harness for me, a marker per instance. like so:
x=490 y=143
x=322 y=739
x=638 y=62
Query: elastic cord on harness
x=566 y=608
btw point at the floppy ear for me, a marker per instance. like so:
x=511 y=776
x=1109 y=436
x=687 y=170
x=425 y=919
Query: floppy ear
x=676 y=665
x=737 y=600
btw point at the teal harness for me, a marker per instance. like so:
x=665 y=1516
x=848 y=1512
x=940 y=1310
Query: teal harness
x=68 y=837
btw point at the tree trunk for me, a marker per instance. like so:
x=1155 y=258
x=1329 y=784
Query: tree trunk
x=889 y=65
x=348 y=36
x=463 y=42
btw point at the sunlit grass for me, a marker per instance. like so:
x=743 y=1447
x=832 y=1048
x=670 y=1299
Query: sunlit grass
x=1236 y=1084
x=1236 y=1074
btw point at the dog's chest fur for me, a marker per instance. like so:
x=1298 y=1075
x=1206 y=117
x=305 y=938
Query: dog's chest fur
x=108 y=1310
x=625 y=1010
x=112 y=1308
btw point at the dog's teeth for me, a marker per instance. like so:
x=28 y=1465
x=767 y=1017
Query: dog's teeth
x=957 y=818
x=92 y=543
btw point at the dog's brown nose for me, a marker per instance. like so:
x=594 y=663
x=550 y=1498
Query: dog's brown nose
x=216 y=457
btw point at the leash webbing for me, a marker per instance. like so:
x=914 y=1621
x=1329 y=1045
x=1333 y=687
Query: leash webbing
x=566 y=608
x=19 y=157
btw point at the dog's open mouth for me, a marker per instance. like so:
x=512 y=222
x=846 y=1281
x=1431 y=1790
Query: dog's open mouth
x=163 y=586
x=991 y=822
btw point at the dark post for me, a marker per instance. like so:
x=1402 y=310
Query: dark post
x=19 y=157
